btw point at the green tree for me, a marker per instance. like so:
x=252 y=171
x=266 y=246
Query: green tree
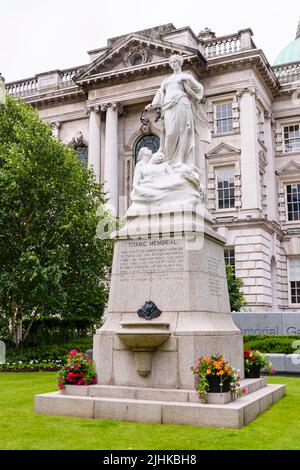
x=51 y=263
x=236 y=296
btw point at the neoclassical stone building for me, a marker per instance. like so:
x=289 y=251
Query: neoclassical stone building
x=252 y=163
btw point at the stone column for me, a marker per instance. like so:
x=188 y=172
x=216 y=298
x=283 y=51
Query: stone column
x=272 y=198
x=94 y=152
x=251 y=191
x=111 y=163
x=56 y=127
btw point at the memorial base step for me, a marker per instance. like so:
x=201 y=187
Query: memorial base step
x=161 y=406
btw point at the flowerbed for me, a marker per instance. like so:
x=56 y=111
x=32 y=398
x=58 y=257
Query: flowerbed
x=48 y=352
x=31 y=366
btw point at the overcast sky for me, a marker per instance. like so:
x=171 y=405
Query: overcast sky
x=41 y=35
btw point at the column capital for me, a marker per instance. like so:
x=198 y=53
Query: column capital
x=96 y=108
x=247 y=91
x=115 y=106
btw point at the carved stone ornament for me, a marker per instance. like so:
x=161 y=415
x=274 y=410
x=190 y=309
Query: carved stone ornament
x=78 y=141
x=137 y=52
x=149 y=311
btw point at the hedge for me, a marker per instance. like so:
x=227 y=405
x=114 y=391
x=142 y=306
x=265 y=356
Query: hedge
x=272 y=344
x=52 y=352
x=50 y=357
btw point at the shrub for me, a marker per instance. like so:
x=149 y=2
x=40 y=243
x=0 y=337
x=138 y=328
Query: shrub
x=271 y=344
x=53 y=352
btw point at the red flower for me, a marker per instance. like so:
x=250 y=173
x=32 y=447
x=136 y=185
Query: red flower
x=254 y=358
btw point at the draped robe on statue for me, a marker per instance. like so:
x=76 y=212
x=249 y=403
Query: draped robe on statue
x=184 y=122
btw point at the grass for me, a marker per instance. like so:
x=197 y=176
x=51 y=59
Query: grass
x=20 y=428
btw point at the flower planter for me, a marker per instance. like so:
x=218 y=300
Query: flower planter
x=214 y=384
x=254 y=373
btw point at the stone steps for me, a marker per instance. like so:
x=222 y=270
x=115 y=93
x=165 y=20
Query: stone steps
x=165 y=407
x=156 y=394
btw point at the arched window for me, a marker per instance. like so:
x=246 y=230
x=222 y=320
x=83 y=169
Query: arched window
x=80 y=146
x=150 y=141
x=82 y=154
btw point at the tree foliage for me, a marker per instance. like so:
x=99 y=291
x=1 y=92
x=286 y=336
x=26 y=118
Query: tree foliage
x=51 y=263
x=236 y=296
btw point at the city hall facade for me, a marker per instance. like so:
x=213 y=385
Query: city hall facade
x=252 y=162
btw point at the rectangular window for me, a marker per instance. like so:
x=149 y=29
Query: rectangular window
x=225 y=185
x=224 y=118
x=294 y=277
x=229 y=255
x=292 y=138
x=293 y=202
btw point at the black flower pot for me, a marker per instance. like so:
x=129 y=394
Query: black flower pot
x=214 y=384
x=254 y=373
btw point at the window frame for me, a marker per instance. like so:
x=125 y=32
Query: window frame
x=291 y=304
x=226 y=209
x=285 y=125
x=286 y=184
x=218 y=103
x=230 y=248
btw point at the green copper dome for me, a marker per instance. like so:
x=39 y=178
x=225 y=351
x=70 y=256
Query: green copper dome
x=291 y=53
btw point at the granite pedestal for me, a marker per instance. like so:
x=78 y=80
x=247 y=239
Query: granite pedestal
x=168 y=306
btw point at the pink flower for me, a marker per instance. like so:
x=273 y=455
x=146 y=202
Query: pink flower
x=73 y=353
x=244 y=390
x=60 y=386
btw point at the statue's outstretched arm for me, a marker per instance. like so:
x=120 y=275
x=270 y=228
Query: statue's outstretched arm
x=158 y=98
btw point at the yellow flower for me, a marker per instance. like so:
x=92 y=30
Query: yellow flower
x=208 y=372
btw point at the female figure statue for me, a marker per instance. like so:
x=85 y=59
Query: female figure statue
x=184 y=122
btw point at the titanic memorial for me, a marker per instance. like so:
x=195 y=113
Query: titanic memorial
x=168 y=302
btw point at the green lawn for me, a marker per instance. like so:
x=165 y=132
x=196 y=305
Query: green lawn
x=278 y=428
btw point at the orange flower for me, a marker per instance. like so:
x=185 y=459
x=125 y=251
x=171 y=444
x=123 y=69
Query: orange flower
x=208 y=372
x=221 y=372
x=217 y=365
x=229 y=372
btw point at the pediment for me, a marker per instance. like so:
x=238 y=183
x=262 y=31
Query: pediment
x=223 y=150
x=119 y=57
x=290 y=168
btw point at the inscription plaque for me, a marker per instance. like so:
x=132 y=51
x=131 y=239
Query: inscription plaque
x=214 y=266
x=152 y=256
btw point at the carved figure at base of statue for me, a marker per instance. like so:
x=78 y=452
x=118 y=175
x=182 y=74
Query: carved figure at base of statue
x=160 y=186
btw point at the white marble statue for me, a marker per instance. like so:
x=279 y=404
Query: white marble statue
x=158 y=185
x=171 y=177
x=184 y=121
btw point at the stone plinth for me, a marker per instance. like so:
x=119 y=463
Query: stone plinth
x=183 y=273
x=160 y=406
x=168 y=306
